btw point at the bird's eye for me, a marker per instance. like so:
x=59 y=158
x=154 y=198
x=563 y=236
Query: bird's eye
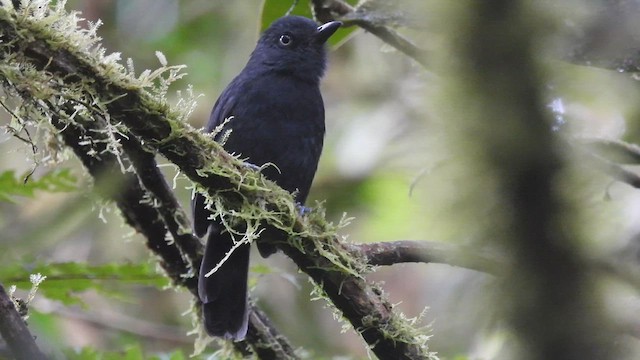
x=286 y=40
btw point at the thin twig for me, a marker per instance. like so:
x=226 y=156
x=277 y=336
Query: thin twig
x=127 y=324
x=404 y=251
x=394 y=39
x=614 y=170
x=328 y=10
x=614 y=150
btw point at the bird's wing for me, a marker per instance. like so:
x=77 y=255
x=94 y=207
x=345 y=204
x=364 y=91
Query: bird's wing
x=221 y=110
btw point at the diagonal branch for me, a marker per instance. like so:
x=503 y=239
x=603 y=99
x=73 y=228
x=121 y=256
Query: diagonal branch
x=615 y=150
x=329 y=10
x=612 y=149
x=85 y=138
x=313 y=245
x=153 y=221
x=15 y=332
x=265 y=341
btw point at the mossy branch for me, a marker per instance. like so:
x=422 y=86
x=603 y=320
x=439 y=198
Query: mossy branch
x=116 y=158
x=14 y=331
x=128 y=194
x=156 y=222
x=44 y=57
x=408 y=251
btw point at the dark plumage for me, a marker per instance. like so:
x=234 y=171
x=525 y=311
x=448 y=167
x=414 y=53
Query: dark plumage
x=277 y=117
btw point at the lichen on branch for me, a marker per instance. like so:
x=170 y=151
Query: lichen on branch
x=58 y=70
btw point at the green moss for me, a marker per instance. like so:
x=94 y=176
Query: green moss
x=101 y=87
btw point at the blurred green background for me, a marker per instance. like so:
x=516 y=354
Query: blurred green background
x=387 y=162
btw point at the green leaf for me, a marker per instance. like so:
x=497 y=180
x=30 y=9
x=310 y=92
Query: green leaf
x=261 y=269
x=85 y=353
x=133 y=352
x=176 y=355
x=54 y=181
x=275 y=9
x=65 y=280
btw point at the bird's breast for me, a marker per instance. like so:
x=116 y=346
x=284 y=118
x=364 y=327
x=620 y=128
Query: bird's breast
x=278 y=123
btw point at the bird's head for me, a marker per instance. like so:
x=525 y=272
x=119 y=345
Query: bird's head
x=294 y=45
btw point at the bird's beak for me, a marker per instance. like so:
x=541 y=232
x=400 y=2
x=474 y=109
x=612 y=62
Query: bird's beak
x=325 y=31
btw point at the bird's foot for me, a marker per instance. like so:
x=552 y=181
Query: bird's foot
x=303 y=210
x=251 y=166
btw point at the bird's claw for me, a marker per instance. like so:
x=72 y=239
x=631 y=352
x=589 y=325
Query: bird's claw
x=251 y=166
x=303 y=210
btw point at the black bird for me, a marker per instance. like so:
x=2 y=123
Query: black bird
x=275 y=112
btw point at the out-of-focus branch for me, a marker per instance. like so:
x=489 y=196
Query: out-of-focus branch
x=15 y=332
x=606 y=154
x=614 y=150
x=614 y=170
x=550 y=304
x=261 y=336
x=609 y=39
x=115 y=321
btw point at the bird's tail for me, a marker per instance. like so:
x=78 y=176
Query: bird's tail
x=224 y=293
